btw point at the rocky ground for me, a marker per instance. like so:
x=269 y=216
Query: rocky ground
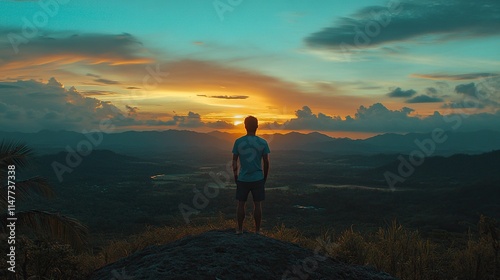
x=224 y=255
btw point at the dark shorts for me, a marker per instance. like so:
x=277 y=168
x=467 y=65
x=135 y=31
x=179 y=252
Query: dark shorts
x=256 y=187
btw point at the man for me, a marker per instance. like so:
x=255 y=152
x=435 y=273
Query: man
x=251 y=150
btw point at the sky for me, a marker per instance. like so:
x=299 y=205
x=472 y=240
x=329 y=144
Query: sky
x=343 y=68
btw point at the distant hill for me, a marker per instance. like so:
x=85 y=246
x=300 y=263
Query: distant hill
x=225 y=255
x=456 y=142
x=150 y=143
x=131 y=142
x=455 y=169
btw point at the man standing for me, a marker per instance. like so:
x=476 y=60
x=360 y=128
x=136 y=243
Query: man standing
x=251 y=151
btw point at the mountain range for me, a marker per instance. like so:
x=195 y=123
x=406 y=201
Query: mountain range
x=139 y=143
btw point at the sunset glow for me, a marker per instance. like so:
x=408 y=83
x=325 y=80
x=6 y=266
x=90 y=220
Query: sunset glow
x=300 y=67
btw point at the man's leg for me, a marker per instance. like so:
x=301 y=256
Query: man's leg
x=241 y=215
x=257 y=214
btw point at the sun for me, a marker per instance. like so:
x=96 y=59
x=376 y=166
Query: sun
x=238 y=122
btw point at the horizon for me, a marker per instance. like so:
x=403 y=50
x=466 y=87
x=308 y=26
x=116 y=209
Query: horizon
x=259 y=133
x=351 y=70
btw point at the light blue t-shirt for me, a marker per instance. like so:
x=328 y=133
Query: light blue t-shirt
x=250 y=150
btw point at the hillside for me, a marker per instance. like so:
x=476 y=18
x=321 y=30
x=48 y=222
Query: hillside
x=225 y=255
x=455 y=169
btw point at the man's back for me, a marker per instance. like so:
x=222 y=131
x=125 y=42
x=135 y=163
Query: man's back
x=250 y=149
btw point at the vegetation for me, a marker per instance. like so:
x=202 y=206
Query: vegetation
x=405 y=254
x=394 y=249
x=42 y=224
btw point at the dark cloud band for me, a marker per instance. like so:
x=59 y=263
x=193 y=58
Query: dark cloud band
x=402 y=21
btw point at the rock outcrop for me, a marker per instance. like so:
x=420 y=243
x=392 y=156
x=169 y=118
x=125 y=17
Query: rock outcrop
x=225 y=255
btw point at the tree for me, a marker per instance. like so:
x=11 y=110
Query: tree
x=41 y=223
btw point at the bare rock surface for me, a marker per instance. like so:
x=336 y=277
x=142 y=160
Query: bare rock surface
x=225 y=255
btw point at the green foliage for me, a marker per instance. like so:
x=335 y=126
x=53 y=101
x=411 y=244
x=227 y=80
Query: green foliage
x=40 y=223
x=54 y=225
x=16 y=153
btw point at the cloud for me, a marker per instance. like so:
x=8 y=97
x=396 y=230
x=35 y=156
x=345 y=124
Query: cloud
x=131 y=110
x=225 y=96
x=50 y=52
x=92 y=75
x=190 y=121
x=424 y=99
x=31 y=105
x=106 y=81
x=398 y=92
x=98 y=92
x=379 y=119
x=464 y=105
x=432 y=90
x=478 y=95
x=403 y=21
x=459 y=77
x=219 y=125
x=193 y=120
x=376 y=118
x=467 y=89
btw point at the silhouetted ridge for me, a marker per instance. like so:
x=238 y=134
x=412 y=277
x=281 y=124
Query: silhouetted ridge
x=153 y=143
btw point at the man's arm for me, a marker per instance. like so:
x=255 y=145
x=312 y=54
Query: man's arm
x=235 y=167
x=265 y=159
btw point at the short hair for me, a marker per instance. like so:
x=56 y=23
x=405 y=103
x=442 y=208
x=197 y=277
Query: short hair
x=251 y=123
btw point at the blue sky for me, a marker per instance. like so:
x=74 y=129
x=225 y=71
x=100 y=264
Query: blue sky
x=230 y=58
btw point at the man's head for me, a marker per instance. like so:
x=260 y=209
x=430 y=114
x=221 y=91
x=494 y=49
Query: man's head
x=251 y=124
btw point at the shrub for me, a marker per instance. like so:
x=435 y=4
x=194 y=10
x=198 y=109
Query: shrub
x=350 y=247
x=479 y=260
